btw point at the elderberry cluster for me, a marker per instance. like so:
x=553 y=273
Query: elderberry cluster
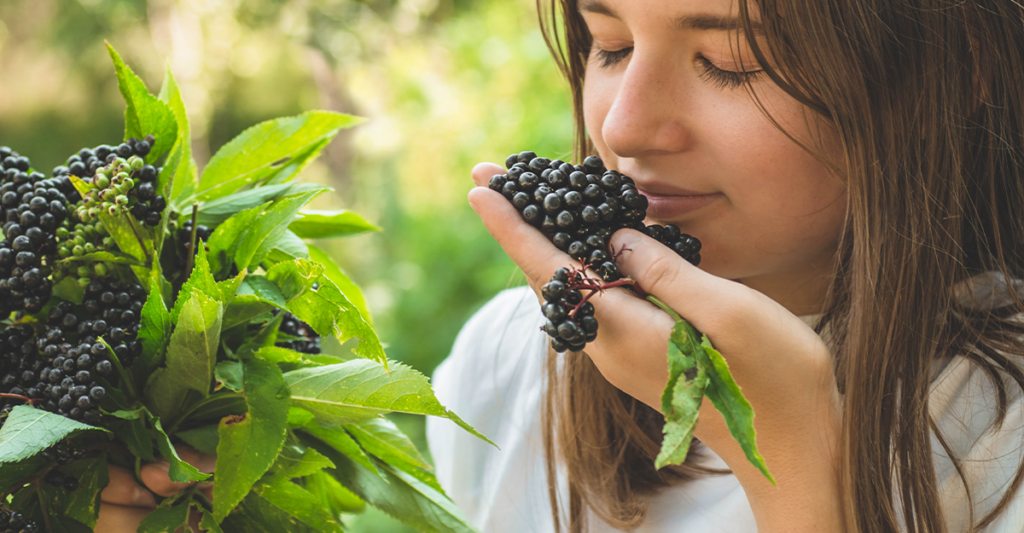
x=32 y=208
x=15 y=522
x=570 y=320
x=123 y=185
x=88 y=160
x=579 y=208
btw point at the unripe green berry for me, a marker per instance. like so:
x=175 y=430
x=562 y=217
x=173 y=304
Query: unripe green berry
x=84 y=282
x=102 y=181
x=78 y=240
x=100 y=269
x=84 y=271
x=129 y=184
x=121 y=200
x=108 y=242
x=109 y=194
x=112 y=210
x=63 y=252
x=135 y=162
x=78 y=251
x=94 y=212
x=62 y=233
x=89 y=247
x=106 y=206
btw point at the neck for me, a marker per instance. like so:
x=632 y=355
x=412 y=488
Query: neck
x=800 y=292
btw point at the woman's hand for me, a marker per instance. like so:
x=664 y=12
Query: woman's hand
x=124 y=503
x=783 y=367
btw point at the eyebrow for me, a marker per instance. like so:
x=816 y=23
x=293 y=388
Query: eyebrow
x=691 y=22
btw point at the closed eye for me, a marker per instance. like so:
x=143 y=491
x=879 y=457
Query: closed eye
x=609 y=58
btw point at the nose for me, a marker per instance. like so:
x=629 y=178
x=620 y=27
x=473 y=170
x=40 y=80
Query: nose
x=647 y=114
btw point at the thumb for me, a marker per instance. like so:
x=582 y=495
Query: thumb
x=688 y=290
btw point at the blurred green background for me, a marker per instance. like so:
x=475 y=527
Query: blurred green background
x=444 y=83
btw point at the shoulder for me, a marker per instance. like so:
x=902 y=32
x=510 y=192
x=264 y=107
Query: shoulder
x=964 y=403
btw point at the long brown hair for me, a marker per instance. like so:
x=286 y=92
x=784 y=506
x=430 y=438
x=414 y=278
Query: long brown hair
x=926 y=97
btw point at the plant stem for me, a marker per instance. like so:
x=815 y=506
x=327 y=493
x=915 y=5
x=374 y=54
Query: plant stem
x=120 y=369
x=28 y=400
x=664 y=307
x=42 y=507
x=192 y=241
x=142 y=243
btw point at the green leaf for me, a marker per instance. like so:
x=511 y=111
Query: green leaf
x=310 y=224
x=325 y=309
x=209 y=523
x=263 y=150
x=243 y=308
x=264 y=289
x=166 y=519
x=225 y=238
x=229 y=287
x=180 y=471
x=229 y=374
x=154 y=334
x=264 y=233
x=333 y=495
x=298 y=417
x=296 y=461
x=276 y=354
x=359 y=389
x=104 y=256
x=68 y=289
x=381 y=438
x=288 y=248
x=213 y=212
x=145 y=113
x=28 y=431
x=183 y=176
x=345 y=285
x=134 y=434
x=191 y=356
x=200 y=280
x=726 y=396
x=680 y=402
x=402 y=496
x=18 y=472
x=339 y=441
x=83 y=503
x=203 y=438
x=249 y=444
x=266 y=336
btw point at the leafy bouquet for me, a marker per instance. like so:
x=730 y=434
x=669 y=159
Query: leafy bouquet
x=147 y=305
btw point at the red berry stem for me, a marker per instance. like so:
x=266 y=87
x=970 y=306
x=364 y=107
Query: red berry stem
x=30 y=401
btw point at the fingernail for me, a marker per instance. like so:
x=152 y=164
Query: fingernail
x=162 y=465
x=143 y=498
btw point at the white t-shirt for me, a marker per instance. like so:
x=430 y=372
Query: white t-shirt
x=494 y=380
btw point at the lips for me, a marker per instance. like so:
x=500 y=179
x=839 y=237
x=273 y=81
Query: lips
x=678 y=204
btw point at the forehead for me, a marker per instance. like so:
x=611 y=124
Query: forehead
x=693 y=15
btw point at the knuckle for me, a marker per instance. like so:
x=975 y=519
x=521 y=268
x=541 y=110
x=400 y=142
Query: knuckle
x=660 y=274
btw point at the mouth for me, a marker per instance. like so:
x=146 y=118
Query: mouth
x=678 y=203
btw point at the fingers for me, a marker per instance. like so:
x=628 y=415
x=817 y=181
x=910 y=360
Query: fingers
x=123 y=490
x=482 y=173
x=119 y=519
x=525 y=244
x=155 y=475
x=696 y=295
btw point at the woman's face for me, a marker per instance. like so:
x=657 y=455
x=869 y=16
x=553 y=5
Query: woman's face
x=664 y=104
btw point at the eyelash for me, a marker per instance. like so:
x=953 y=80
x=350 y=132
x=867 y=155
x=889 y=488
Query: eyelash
x=720 y=78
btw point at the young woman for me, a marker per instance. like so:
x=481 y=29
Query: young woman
x=855 y=172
